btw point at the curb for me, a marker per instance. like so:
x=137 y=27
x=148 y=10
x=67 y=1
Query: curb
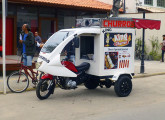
x=148 y=75
x=28 y=89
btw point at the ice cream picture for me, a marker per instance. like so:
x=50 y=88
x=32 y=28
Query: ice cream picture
x=111 y=60
x=107 y=39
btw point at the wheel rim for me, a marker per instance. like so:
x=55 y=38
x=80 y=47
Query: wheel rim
x=15 y=82
x=44 y=88
x=125 y=87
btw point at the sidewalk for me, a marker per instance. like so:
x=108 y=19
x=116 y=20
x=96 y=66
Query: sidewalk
x=151 y=68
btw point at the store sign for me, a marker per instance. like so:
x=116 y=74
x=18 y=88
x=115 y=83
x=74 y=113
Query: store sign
x=118 y=24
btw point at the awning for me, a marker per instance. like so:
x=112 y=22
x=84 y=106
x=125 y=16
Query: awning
x=147 y=24
x=151 y=9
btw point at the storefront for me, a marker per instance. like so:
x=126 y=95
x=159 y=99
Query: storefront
x=44 y=18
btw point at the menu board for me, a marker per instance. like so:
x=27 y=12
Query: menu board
x=117 y=50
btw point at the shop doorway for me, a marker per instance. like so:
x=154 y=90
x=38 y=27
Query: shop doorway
x=47 y=26
x=9 y=35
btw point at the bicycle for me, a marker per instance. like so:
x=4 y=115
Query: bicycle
x=18 y=81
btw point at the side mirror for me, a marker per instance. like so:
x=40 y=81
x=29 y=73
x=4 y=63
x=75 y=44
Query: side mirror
x=76 y=42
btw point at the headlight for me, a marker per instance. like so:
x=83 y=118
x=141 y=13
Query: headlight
x=38 y=64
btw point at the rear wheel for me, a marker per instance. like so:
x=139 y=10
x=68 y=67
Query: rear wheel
x=123 y=86
x=92 y=83
x=17 y=82
x=44 y=89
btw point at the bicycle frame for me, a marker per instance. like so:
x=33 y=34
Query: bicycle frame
x=26 y=68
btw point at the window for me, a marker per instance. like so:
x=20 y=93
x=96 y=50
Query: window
x=66 y=19
x=11 y=9
x=28 y=15
x=86 y=47
x=161 y=3
x=47 y=12
x=148 y=2
x=55 y=40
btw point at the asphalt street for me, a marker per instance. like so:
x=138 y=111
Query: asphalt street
x=146 y=102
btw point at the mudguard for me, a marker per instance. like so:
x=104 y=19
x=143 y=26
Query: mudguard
x=47 y=76
x=117 y=75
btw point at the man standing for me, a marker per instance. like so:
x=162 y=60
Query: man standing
x=0 y=49
x=39 y=41
x=28 y=45
x=0 y=46
x=163 y=48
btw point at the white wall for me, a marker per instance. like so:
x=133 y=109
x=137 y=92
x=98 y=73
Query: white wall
x=107 y=1
x=140 y=2
x=149 y=33
x=130 y=5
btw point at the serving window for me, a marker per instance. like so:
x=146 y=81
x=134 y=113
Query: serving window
x=87 y=47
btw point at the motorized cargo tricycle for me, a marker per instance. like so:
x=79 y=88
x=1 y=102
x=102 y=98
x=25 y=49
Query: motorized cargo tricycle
x=102 y=53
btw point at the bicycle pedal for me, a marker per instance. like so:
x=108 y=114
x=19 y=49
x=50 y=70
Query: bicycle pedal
x=34 y=82
x=25 y=80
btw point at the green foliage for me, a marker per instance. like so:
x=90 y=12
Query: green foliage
x=154 y=54
x=155 y=48
x=138 y=48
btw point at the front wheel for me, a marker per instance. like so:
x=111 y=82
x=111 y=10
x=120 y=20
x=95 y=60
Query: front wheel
x=17 y=82
x=41 y=74
x=45 y=88
x=123 y=86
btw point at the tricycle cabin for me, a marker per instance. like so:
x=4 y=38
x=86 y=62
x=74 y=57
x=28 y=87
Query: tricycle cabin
x=110 y=52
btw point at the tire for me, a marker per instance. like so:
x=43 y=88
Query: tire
x=92 y=83
x=42 y=73
x=42 y=87
x=123 y=86
x=15 y=82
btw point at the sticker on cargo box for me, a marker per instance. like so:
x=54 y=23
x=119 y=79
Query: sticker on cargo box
x=117 y=39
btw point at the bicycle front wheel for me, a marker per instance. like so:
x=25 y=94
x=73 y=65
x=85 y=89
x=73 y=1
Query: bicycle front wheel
x=17 y=82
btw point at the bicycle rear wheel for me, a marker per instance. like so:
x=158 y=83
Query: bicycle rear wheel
x=17 y=82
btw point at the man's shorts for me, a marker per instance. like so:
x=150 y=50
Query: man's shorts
x=27 y=60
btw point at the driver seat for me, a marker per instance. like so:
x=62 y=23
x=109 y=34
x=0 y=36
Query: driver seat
x=83 y=66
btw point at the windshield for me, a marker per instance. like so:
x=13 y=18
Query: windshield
x=55 y=40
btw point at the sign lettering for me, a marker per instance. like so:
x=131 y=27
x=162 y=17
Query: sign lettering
x=118 y=24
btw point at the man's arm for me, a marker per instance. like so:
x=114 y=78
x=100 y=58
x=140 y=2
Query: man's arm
x=20 y=38
x=38 y=45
